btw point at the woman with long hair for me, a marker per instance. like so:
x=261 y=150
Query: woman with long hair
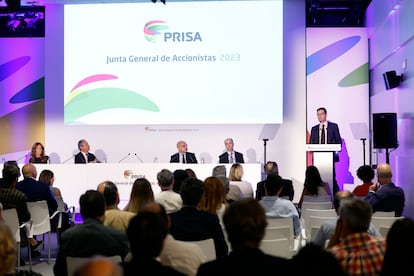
x=141 y=194
x=38 y=154
x=314 y=185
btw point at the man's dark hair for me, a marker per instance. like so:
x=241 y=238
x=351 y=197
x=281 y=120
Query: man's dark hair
x=146 y=233
x=192 y=190
x=110 y=193
x=365 y=173
x=10 y=174
x=92 y=204
x=179 y=177
x=322 y=108
x=272 y=184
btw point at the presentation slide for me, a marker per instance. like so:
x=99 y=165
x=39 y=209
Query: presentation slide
x=201 y=62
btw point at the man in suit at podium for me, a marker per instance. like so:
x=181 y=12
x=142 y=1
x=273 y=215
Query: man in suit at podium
x=183 y=156
x=84 y=156
x=230 y=156
x=325 y=132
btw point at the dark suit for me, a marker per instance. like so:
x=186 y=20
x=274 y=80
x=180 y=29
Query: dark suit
x=36 y=191
x=287 y=189
x=191 y=224
x=332 y=131
x=224 y=158
x=89 y=239
x=189 y=157
x=245 y=262
x=80 y=159
x=388 y=198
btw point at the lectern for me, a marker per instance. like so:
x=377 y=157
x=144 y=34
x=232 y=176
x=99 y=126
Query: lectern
x=323 y=159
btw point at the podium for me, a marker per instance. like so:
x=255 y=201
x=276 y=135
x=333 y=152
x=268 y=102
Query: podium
x=323 y=159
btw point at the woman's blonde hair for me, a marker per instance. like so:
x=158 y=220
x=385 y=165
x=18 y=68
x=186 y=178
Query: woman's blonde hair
x=236 y=172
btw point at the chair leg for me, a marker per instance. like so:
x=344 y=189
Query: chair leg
x=30 y=255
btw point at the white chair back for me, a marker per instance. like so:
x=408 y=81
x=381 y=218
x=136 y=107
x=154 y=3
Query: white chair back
x=277 y=247
x=75 y=263
x=383 y=214
x=280 y=228
x=314 y=223
x=317 y=198
x=207 y=246
x=383 y=223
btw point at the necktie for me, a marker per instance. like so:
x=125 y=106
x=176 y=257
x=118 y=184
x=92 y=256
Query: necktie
x=323 y=134
x=231 y=160
x=183 y=158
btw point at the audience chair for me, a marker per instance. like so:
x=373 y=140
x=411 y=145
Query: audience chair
x=318 y=198
x=40 y=221
x=326 y=213
x=74 y=263
x=382 y=214
x=280 y=228
x=207 y=246
x=12 y=221
x=70 y=211
x=383 y=223
x=277 y=247
x=314 y=223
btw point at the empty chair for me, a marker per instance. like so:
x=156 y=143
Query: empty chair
x=327 y=213
x=383 y=223
x=207 y=246
x=316 y=205
x=277 y=247
x=314 y=223
x=317 y=198
x=70 y=212
x=74 y=263
x=280 y=228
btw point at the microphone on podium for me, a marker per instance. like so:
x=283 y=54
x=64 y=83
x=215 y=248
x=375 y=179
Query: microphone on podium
x=123 y=158
x=136 y=155
x=73 y=156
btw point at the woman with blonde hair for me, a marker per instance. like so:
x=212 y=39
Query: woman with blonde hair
x=235 y=176
x=141 y=194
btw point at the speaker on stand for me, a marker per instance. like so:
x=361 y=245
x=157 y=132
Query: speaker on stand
x=385 y=131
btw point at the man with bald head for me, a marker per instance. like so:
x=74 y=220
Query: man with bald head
x=183 y=156
x=36 y=190
x=385 y=195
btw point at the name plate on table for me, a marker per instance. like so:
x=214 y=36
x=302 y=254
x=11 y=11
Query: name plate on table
x=323 y=147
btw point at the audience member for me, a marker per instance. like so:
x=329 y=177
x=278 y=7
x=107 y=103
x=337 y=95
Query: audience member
x=366 y=174
x=38 y=154
x=99 y=266
x=314 y=185
x=171 y=200
x=146 y=234
x=271 y=168
x=190 y=173
x=141 y=194
x=114 y=217
x=357 y=252
x=48 y=177
x=36 y=190
x=214 y=197
x=230 y=156
x=314 y=260
x=183 y=156
x=6 y=164
x=327 y=228
x=10 y=198
x=185 y=257
x=245 y=224
x=277 y=207
x=386 y=196
x=192 y=224
x=8 y=254
x=400 y=241
x=90 y=238
x=179 y=176
x=233 y=192
x=236 y=175
x=84 y=156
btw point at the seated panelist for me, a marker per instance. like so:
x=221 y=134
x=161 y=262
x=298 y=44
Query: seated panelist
x=183 y=156
x=84 y=156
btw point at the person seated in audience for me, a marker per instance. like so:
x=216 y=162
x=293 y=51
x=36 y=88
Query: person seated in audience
x=327 y=228
x=36 y=190
x=192 y=224
x=357 y=252
x=245 y=223
x=114 y=217
x=6 y=164
x=314 y=260
x=179 y=176
x=271 y=168
x=8 y=254
x=314 y=185
x=400 y=241
x=146 y=235
x=366 y=174
x=92 y=237
x=84 y=156
x=141 y=194
x=171 y=200
x=37 y=154
x=233 y=192
x=235 y=176
x=386 y=196
x=190 y=172
x=277 y=207
x=183 y=155
x=185 y=257
x=213 y=200
x=99 y=266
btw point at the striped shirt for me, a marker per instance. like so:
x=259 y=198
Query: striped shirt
x=13 y=198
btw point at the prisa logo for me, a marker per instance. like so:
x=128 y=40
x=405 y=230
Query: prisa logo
x=155 y=29
x=127 y=174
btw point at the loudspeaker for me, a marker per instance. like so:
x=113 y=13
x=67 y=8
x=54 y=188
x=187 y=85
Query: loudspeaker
x=391 y=79
x=13 y=4
x=385 y=130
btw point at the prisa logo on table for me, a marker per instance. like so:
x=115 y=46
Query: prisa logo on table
x=129 y=174
x=155 y=30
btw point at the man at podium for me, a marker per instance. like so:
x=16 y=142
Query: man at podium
x=325 y=132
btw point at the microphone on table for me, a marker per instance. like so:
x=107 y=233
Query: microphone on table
x=136 y=155
x=73 y=156
x=122 y=159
